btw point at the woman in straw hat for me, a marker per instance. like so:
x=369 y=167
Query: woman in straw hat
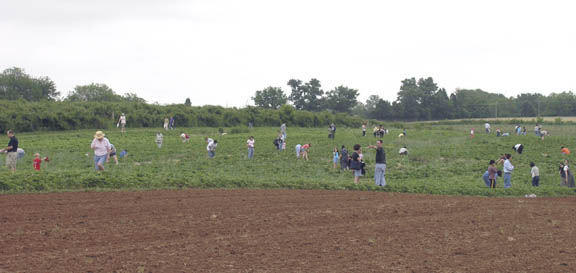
x=101 y=147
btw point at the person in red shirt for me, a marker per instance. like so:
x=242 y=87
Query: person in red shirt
x=37 y=161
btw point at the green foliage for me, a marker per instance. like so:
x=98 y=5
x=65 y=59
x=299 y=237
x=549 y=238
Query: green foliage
x=442 y=160
x=341 y=99
x=307 y=96
x=96 y=92
x=16 y=84
x=270 y=97
x=25 y=116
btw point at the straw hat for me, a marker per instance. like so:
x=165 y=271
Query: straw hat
x=99 y=135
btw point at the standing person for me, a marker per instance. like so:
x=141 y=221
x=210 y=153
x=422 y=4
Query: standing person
x=101 y=147
x=283 y=129
x=376 y=131
x=568 y=175
x=159 y=139
x=166 y=122
x=523 y=130
x=304 y=149
x=356 y=163
x=211 y=147
x=37 y=161
x=333 y=127
x=344 y=158
x=487 y=127
x=562 y=174
x=508 y=168
x=171 y=123
x=298 y=148
x=122 y=123
x=335 y=157
x=11 y=151
x=113 y=153
x=364 y=129
x=535 y=172
x=380 y=169
x=472 y=133
x=250 y=145
x=492 y=173
x=536 y=130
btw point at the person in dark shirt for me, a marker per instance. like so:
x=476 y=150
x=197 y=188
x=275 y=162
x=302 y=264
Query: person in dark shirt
x=380 y=169
x=12 y=151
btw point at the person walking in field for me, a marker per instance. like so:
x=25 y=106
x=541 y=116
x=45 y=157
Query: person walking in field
x=283 y=130
x=344 y=158
x=380 y=169
x=159 y=139
x=171 y=125
x=11 y=151
x=101 y=147
x=487 y=127
x=568 y=175
x=535 y=172
x=166 y=124
x=364 y=129
x=122 y=124
x=335 y=157
x=508 y=168
x=472 y=133
x=356 y=163
x=250 y=145
x=37 y=161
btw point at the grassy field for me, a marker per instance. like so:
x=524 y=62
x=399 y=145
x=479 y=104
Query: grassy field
x=443 y=160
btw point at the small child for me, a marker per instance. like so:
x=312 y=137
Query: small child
x=336 y=157
x=124 y=153
x=185 y=138
x=37 y=161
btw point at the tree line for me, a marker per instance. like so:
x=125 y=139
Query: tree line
x=416 y=100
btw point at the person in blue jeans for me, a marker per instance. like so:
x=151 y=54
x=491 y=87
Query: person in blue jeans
x=380 y=168
x=508 y=168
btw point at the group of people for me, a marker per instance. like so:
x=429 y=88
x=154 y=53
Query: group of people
x=169 y=123
x=491 y=175
x=518 y=130
x=104 y=150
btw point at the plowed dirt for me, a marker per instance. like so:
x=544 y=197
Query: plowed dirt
x=284 y=231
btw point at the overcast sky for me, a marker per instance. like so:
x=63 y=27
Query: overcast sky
x=221 y=51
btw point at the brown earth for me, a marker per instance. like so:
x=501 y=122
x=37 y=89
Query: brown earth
x=284 y=231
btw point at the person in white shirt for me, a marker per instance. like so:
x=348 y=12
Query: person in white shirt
x=122 y=123
x=487 y=126
x=535 y=175
x=518 y=148
x=250 y=145
x=159 y=139
x=508 y=168
x=211 y=147
x=403 y=151
x=101 y=147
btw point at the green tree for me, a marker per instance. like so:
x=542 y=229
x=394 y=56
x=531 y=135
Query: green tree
x=270 y=97
x=93 y=92
x=379 y=109
x=188 y=102
x=16 y=84
x=341 y=99
x=307 y=96
x=528 y=104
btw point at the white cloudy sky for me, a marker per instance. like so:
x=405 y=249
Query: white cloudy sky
x=222 y=51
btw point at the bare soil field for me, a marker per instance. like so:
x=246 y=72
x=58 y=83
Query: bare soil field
x=284 y=231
